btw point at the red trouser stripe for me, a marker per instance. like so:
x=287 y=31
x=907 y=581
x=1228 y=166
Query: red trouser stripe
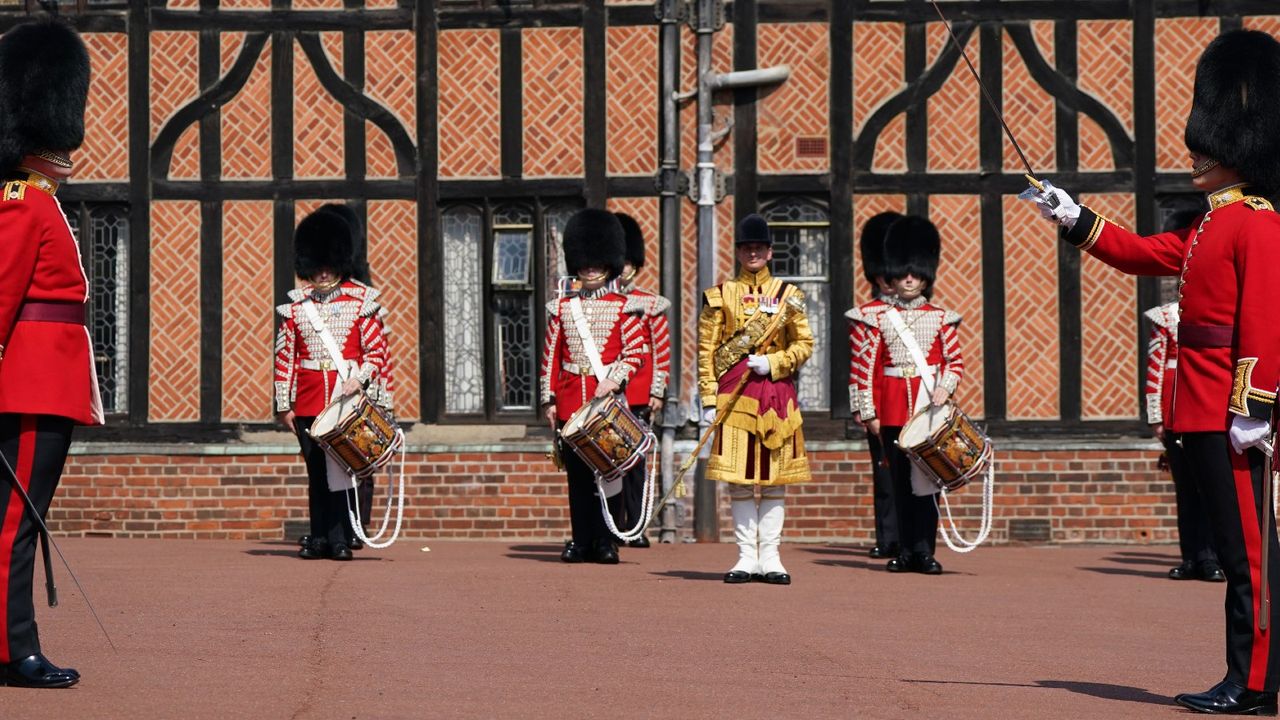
x=9 y=526
x=1252 y=533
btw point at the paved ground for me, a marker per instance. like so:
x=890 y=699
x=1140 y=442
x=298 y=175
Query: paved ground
x=209 y=629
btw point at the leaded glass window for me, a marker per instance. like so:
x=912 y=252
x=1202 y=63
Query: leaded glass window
x=516 y=346
x=801 y=231
x=105 y=253
x=502 y=263
x=464 y=328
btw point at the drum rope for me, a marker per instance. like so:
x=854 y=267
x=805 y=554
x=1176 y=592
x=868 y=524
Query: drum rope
x=961 y=544
x=648 y=496
x=354 y=516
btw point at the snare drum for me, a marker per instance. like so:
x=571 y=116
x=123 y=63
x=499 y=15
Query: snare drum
x=946 y=445
x=357 y=433
x=607 y=436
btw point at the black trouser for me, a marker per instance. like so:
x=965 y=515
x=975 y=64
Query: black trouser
x=328 y=508
x=1231 y=487
x=1193 y=522
x=626 y=511
x=917 y=515
x=35 y=446
x=585 y=518
x=887 y=535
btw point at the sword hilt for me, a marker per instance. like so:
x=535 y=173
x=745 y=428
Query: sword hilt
x=1049 y=198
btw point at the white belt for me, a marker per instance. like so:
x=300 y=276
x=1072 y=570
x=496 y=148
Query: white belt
x=1170 y=365
x=310 y=364
x=909 y=371
x=576 y=369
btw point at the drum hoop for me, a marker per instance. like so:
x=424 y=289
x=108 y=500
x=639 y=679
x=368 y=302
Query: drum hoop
x=954 y=411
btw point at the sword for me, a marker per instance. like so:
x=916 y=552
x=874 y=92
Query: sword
x=1049 y=198
x=46 y=542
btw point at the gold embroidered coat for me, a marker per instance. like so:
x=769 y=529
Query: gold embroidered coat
x=754 y=446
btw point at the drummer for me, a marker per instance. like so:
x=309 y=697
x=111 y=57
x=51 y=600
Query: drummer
x=911 y=326
x=306 y=376
x=594 y=251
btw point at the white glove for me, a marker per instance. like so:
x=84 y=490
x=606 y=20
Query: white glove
x=1054 y=204
x=759 y=364
x=709 y=415
x=1247 y=432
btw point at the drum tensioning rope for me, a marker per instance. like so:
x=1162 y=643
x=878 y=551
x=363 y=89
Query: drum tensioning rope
x=961 y=544
x=647 y=496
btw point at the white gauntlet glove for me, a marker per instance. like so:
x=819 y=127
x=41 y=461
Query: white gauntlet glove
x=709 y=415
x=1247 y=432
x=1054 y=204
x=759 y=364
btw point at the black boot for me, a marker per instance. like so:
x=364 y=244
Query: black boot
x=606 y=553
x=1228 y=698
x=573 y=553
x=36 y=671
x=315 y=549
x=1185 y=571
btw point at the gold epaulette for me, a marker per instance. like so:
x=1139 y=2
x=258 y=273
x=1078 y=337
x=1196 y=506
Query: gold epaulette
x=14 y=190
x=1255 y=202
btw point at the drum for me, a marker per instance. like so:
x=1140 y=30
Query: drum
x=357 y=433
x=946 y=445
x=607 y=436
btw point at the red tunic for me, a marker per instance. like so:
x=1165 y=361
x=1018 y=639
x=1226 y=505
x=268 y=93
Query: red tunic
x=1229 y=354
x=650 y=381
x=304 y=373
x=889 y=387
x=566 y=375
x=46 y=367
x=1162 y=361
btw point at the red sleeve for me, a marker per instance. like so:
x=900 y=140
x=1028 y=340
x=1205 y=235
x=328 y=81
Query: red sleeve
x=550 y=358
x=373 y=349
x=868 y=365
x=660 y=336
x=1157 y=354
x=21 y=235
x=1127 y=251
x=952 y=358
x=286 y=376
x=632 y=355
x=1257 y=261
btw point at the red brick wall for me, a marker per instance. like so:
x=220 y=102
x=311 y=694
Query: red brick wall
x=1108 y=493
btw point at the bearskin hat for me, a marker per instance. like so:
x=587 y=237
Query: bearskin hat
x=753 y=229
x=359 y=242
x=635 y=240
x=44 y=84
x=912 y=246
x=324 y=239
x=1235 y=109
x=871 y=245
x=594 y=238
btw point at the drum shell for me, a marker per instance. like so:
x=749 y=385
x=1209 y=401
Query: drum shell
x=954 y=453
x=360 y=440
x=607 y=436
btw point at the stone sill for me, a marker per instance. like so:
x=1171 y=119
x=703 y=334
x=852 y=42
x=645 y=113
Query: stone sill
x=285 y=446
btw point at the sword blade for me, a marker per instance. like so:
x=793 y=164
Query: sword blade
x=985 y=94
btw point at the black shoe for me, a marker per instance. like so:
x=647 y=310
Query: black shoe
x=341 y=552
x=606 y=553
x=898 y=565
x=926 y=565
x=1212 y=572
x=1185 y=571
x=573 y=553
x=356 y=543
x=304 y=541
x=640 y=542
x=880 y=552
x=737 y=577
x=777 y=578
x=36 y=671
x=1228 y=698
x=314 y=550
